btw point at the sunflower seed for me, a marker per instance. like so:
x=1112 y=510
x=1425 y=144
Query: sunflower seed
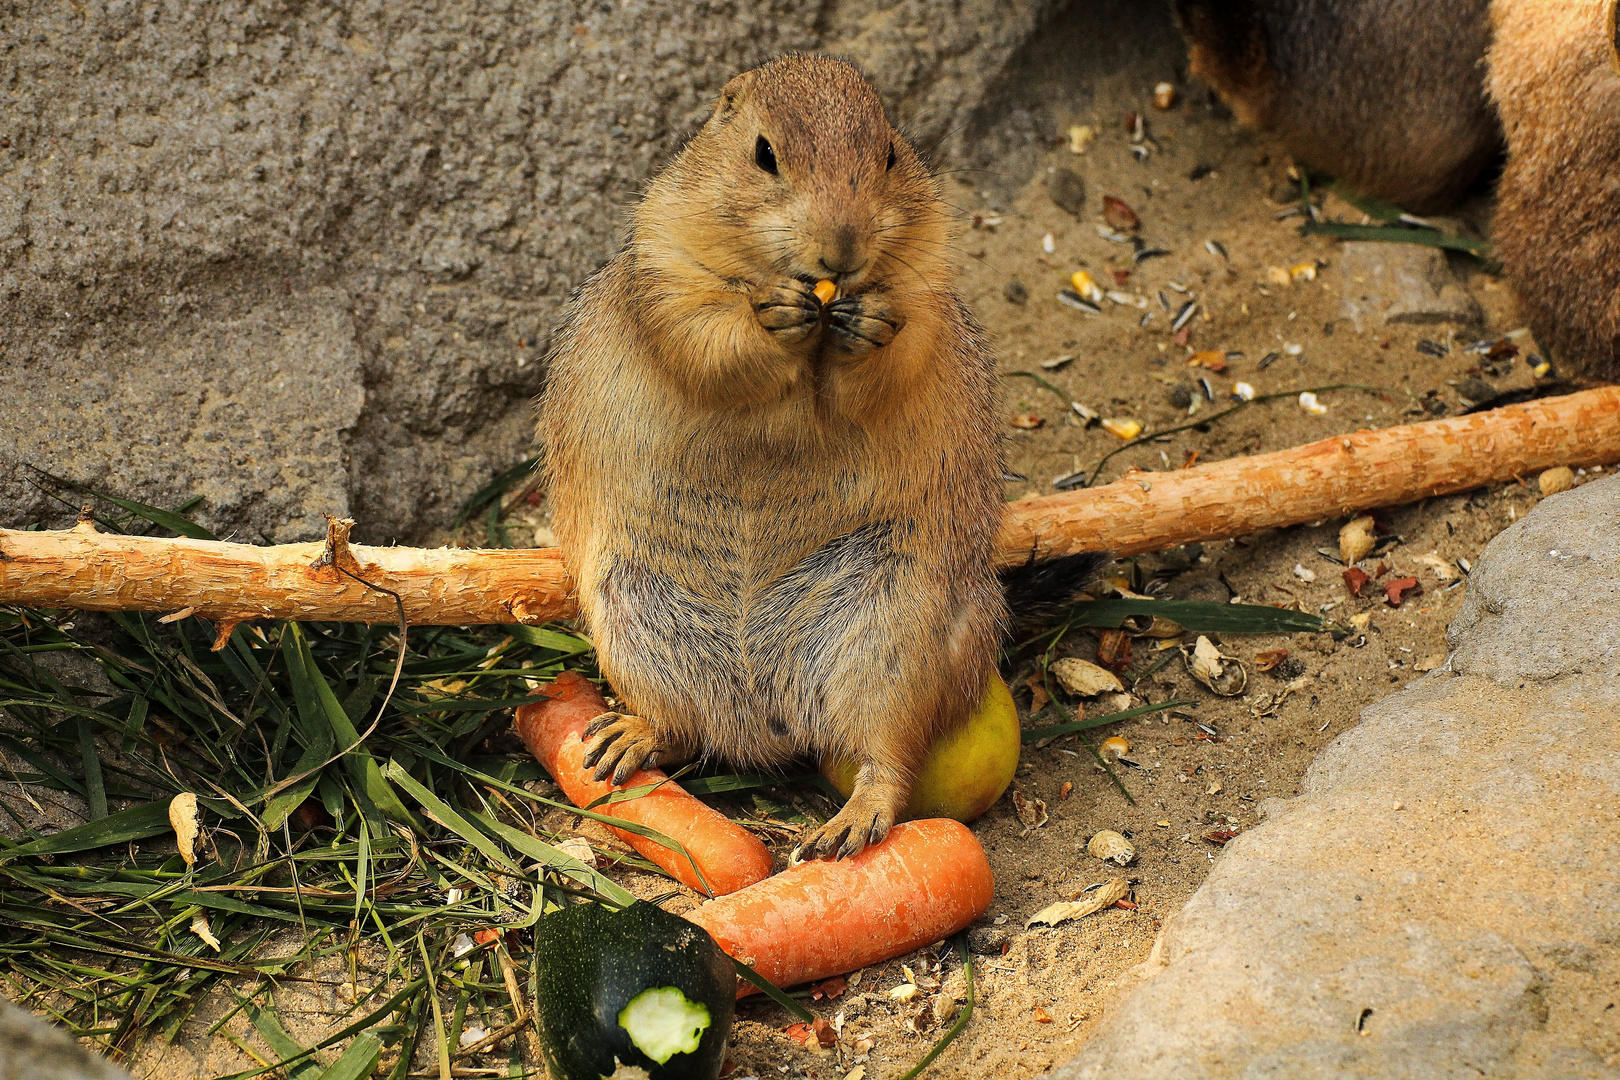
x=1078 y=302
x=1185 y=315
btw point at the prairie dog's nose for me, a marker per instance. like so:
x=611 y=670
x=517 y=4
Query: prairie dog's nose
x=844 y=253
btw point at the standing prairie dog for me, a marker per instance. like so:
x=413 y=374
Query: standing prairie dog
x=780 y=514
x=1386 y=95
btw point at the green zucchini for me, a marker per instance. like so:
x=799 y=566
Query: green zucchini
x=636 y=986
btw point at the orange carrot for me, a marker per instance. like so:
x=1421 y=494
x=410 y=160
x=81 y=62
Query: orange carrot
x=730 y=856
x=925 y=882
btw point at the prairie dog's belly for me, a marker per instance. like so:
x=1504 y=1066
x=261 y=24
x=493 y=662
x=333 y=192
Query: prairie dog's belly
x=746 y=651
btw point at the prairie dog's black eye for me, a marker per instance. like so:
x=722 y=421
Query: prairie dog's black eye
x=890 y=165
x=764 y=156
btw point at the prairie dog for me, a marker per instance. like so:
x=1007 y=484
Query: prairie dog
x=1386 y=95
x=1556 y=82
x=780 y=514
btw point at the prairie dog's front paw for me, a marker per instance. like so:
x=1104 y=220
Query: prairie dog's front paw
x=622 y=744
x=863 y=322
x=788 y=308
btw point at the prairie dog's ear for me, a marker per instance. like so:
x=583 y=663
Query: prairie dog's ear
x=731 y=96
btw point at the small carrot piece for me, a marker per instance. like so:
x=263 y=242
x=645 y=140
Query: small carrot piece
x=826 y=291
x=553 y=729
x=925 y=882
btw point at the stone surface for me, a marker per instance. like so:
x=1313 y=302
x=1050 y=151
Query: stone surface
x=1402 y=283
x=1441 y=899
x=300 y=259
x=31 y=1049
x=1545 y=600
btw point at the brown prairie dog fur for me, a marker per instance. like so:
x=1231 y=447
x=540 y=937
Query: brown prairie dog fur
x=1557 y=229
x=1386 y=95
x=780 y=515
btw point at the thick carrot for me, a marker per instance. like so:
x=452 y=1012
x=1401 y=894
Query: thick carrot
x=925 y=882
x=729 y=855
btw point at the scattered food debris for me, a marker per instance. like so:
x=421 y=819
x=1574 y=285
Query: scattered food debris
x=1356 y=540
x=1110 y=846
x=1083 y=678
x=1553 y=481
x=1119 y=215
x=1097 y=899
x=1400 y=588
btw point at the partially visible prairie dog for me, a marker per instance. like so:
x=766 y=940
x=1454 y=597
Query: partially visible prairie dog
x=1386 y=95
x=781 y=514
x=1556 y=83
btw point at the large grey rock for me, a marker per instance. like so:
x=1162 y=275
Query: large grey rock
x=306 y=258
x=1545 y=600
x=1441 y=900
x=31 y=1049
x=1402 y=283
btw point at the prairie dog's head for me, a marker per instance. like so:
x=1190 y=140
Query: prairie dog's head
x=799 y=174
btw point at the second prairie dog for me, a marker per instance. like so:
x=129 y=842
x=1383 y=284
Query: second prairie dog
x=781 y=516
x=1386 y=95
x=1555 y=82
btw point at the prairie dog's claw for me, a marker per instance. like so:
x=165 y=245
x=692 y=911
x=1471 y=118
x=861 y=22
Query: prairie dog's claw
x=866 y=819
x=623 y=744
x=788 y=308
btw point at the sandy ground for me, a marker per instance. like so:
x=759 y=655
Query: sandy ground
x=1042 y=991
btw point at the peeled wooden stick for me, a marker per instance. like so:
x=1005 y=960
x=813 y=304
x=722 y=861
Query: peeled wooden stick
x=1143 y=511
x=230 y=583
x=1337 y=477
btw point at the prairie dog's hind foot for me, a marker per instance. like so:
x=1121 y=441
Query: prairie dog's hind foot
x=621 y=745
x=866 y=818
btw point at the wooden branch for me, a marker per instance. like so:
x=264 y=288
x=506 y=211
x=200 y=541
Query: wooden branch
x=229 y=583
x=1143 y=511
x=1337 y=477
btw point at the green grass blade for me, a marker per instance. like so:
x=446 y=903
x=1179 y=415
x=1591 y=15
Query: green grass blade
x=1036 y=734
x=136 y=823
x=772 y=991
x=618 y=823
x=361 y=765
x=441 y=812
x=555 y=640
x=95 y=787
x=492 y=491
x=1378 y=209
x=358 y=1060
x=168 y=519
x=268 y=1025
x=557 y=859
x=1199 y=617
x=1398 y=234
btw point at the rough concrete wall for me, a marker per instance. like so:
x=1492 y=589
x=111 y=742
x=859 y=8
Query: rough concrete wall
x=300 y=258
x=303 y=257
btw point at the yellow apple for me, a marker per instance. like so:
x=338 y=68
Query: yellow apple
x=965 y=773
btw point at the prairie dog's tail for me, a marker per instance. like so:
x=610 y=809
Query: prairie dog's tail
x=1040 y=592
